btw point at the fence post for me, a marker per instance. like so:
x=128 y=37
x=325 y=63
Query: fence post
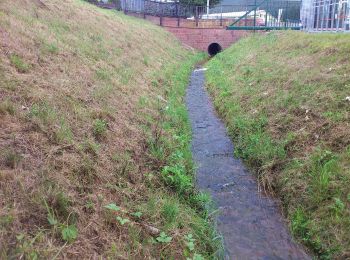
x=161 y=15
x=196 y=16
x=144 y=9
x=177 y=14
x=266 y=10
x=220 y=16
x=286 y=16
x=255 y=14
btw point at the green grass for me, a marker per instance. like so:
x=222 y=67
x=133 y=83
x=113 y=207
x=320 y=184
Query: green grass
x=282 y=96
x=171 y=154
x=10 y=158
x=7 y=107
x=19 y=63
x=99 y=128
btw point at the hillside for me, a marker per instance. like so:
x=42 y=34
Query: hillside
x=94 y=138
x=285 y=99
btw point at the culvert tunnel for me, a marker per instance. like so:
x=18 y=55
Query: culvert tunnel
x=214 y=48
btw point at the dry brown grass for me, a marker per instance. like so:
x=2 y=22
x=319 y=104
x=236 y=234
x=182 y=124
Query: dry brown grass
x=64 y=65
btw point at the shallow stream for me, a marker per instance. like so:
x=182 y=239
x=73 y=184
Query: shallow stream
x=250 y=222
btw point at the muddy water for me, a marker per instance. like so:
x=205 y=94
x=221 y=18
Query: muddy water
x=249 y=221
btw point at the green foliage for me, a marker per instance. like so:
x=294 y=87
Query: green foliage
x=190 y=242
x=52 y=220
x=19 y=64
x=338 y=207
x=122 y=221
x=62 y=205
x=89 y=146
x=137 y=214
x=51 y=48
x=63 y=133
x=163 y=238
x=7 y=106
x=170 y=211
x=24 y=246
x=324 y=167
x=99 y=128
x=103 y=74
x=113 y=207
x=146 y=60
x=6 y=220
x=300 y=224
x=43 y=112
x=176 y=176
x=196 y=257
x=170 y=149
x=69 y=233
x=282 y=96
x=11 y=158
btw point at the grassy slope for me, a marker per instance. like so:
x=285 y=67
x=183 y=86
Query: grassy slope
x=283 y=97
x=91 y=112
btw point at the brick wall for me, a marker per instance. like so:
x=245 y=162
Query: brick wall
x=200 y=34
x=201 y=38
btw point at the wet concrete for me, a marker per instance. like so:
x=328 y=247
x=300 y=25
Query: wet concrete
x=249 y=221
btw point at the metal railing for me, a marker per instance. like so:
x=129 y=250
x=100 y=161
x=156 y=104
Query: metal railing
x=262 y=15
x=270 y=15
x=326 y=15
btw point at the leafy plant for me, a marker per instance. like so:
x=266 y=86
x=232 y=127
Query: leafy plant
x=122 y=221
x=18 y=62
x=177 y=177
x=112 y=206
x=137 y=214
x=190 y=242
x=7 y=106
x=11 y=158
x=43 y=112
x=99 y=128
x=52 y=220
x=300 y=224
x=163 y=238
x=63 y=133
x=51 y=48
x=324 y=165
x=196 y=257
x=69 y=233
x=170 y=211
x=338 y=207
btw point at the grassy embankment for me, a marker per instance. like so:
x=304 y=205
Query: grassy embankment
x=94 y=137
x=284 y=99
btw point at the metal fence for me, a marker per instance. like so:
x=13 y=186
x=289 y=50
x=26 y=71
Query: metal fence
x=267 y=14
x=262 y=15
x=270 y=15
x=326 y=15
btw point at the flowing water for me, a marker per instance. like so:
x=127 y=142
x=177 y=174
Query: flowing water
x=250 y=222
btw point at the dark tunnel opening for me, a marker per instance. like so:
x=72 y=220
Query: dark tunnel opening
x=214 y=48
